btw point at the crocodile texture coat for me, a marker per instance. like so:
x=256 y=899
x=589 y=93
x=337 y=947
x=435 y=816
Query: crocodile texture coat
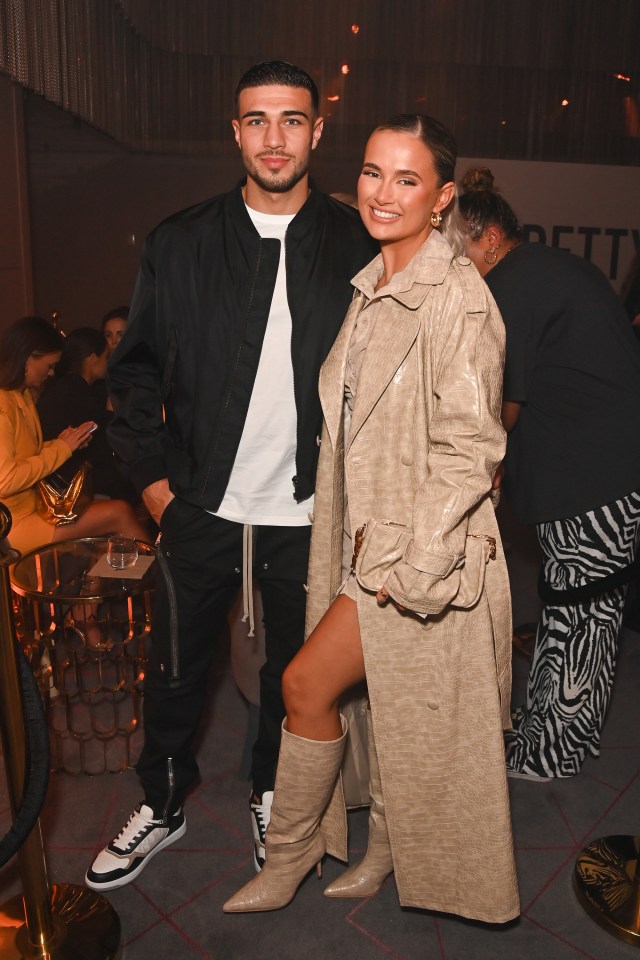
x=424 y=442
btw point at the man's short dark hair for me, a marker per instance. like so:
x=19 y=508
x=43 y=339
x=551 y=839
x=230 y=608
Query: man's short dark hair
x=274 y=73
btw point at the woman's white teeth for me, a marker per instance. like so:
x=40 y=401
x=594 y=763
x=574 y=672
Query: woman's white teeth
x=385 y=213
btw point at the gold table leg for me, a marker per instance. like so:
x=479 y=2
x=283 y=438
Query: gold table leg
x=61 y=921
x=606 y=880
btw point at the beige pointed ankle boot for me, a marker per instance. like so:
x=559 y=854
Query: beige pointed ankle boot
x=295 y=842
x=366 y=877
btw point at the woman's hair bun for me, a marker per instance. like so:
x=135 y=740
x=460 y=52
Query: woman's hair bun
x=479 y=178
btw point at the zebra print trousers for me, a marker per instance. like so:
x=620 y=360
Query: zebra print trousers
x=574 y=660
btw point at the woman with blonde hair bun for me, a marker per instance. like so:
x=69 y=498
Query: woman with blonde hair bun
x=572 y=378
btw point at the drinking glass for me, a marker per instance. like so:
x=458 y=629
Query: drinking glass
x=122 y=552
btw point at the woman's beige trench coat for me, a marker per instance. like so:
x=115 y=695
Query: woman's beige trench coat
x=424 y=441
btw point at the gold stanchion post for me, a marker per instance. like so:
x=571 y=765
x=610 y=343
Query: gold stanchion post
x=57 y=921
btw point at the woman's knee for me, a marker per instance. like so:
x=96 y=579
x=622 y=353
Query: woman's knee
x=120 y=517
x=297 y=687
x=120 y=510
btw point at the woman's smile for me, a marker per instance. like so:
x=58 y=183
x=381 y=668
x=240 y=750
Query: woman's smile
x=398 y=190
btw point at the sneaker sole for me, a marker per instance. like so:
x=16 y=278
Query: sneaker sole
x=129 y=877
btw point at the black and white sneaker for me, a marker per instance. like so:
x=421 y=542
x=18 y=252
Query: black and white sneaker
x=260 y=816
x=127 y=855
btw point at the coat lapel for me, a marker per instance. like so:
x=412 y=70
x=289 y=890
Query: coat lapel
x=30 y=418
x=391 y=339
x=394 y=333
x=332 y=373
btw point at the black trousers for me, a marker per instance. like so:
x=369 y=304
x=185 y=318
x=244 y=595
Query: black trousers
x=199 y=575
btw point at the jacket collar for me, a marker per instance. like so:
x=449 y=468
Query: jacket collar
x=306 y=218
x=389 y=343
x=409 y=287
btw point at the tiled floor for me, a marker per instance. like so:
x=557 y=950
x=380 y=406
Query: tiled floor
x=173 y=911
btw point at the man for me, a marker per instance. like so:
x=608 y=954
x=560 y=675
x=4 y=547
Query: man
x=237 y=304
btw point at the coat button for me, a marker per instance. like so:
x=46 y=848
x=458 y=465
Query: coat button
x=433 y=705
x=318 y=441
x=465 y=261
x=407 y=459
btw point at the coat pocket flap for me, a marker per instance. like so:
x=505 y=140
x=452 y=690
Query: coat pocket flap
x=377 y=548
x=438 y=565
x=382 y=544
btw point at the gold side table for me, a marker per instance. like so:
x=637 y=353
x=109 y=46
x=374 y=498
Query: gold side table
x=59 y=921
x=87 y=638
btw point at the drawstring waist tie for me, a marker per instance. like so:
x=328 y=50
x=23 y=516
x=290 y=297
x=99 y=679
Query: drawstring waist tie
x=247 y=577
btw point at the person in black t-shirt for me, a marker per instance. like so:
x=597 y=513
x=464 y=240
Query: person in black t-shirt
x=572 y=468
x=632 y=297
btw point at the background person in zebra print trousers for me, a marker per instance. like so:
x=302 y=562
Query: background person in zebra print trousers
x=571 y=398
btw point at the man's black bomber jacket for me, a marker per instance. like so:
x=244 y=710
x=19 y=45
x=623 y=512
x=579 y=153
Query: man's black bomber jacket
x=193 y=340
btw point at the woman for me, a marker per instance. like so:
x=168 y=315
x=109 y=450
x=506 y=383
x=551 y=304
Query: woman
x=113 y=326
x=572 y=383
x=419 y=361
x=29 y=350
x=70 y=397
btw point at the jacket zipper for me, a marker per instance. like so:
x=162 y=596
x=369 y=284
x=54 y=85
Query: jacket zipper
x=294 y=479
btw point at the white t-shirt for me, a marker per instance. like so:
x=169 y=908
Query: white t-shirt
x=260 y=488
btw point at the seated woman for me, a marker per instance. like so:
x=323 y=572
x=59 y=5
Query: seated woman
x=70 y=398
x=411 y=440
x=29 y=350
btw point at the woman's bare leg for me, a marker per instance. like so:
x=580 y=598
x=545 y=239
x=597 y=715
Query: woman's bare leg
x=329 y=663
x=103 y=518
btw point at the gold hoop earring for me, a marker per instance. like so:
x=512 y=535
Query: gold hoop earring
x=436 y=219
x=490 y=256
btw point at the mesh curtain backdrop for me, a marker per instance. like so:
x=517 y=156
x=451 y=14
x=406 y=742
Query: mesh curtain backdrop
x=158 y=75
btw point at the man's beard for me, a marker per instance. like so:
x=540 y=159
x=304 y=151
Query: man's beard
x=277 y=183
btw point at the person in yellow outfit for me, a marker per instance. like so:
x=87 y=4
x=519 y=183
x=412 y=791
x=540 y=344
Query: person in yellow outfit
x=30 y=348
